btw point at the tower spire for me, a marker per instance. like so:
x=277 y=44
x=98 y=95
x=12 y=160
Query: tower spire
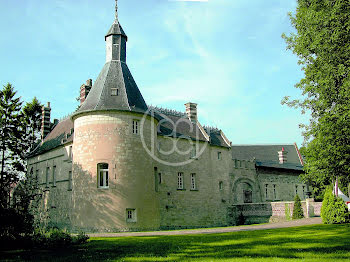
x=116 y=11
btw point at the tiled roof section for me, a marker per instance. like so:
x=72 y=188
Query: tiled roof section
x=116 y=29
x=60 y=135
x=265 y=153
x=216 y=139
x=115 y=74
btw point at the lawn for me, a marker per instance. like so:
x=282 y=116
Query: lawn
x=306 y=243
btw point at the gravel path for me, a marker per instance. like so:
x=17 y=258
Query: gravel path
x=293 y=223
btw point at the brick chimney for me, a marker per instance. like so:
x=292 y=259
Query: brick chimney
x=191 y=111
x=45 y=124
x=282 y=156
x=84 y=90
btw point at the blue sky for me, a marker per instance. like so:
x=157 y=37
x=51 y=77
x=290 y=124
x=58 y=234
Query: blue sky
x=226 y=55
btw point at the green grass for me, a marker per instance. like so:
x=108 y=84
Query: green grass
x=306 y=243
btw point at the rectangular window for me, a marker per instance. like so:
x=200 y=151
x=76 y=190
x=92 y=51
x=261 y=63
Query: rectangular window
x=219 y=155
x=135 y=126
x=131 y=215
x=102 y=170
x=47 y=176
x=70 y=150
x=159 y=178
x=274 y=192
x=180 y=180
x=194 y=152
x=115 y=92
x=221 y=185
x=156 y=182
x=54 y=176
x=296 y=189
x=70 y=185
x=266 y=191
x=193 y=182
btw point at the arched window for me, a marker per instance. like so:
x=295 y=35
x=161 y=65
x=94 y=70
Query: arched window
x=102 y=175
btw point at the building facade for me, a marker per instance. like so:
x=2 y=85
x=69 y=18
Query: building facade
x=117 y=164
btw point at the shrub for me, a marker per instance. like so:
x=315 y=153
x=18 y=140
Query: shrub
x=81 y=238
x=334 y=209
x=287 y=212
x=240 y=220
x=297 y=210
x=58 y=238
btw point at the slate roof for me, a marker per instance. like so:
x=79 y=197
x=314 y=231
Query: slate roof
x=57 y=137
x=114 y=74
x=267 y=155
x=177 y=124
x=116 y=29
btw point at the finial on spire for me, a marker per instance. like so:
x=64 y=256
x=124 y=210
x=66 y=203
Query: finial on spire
x=116 y=11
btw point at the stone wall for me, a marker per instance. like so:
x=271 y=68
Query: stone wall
x=270 y=211
x=280 y=184
x=52 y=170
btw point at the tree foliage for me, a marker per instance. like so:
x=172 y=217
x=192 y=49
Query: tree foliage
x=11 y=132
x=297 y=209
x=334 y=209
x=322 y=44
x=19 y=131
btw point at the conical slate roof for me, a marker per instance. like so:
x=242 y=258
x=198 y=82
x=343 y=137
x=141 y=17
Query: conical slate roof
x=116 y=29
x=114 y=75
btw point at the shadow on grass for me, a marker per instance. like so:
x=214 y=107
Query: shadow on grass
x=326 y=242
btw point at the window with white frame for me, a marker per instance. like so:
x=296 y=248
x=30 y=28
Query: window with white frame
x=135 y=126
x=115 y=92
x=54 y=176
x=131 y=215
x=102 y=177
x=193 y=181
x=47 y=176
x=180 y=180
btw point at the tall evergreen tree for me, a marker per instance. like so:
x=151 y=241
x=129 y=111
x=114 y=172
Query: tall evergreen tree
x=322 y=43
x=11 y=132
x=32 y=113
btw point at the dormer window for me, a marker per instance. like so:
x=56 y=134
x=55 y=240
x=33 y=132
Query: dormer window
x=115 y=92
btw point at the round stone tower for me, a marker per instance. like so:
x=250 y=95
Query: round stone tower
x=113 y=176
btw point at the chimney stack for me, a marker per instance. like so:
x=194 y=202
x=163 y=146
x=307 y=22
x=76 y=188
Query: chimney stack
x=84 y=90
x=45 y=124
x=282 y=156
x=191 y=111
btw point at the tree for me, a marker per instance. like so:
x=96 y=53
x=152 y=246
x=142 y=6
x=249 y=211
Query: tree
x=322 y=44
x=11 y=132
x=32 y=113
x=297 y=209
x=334 y=210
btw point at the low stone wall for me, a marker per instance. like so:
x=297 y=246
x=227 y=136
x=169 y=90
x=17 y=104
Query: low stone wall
x=270 y=211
